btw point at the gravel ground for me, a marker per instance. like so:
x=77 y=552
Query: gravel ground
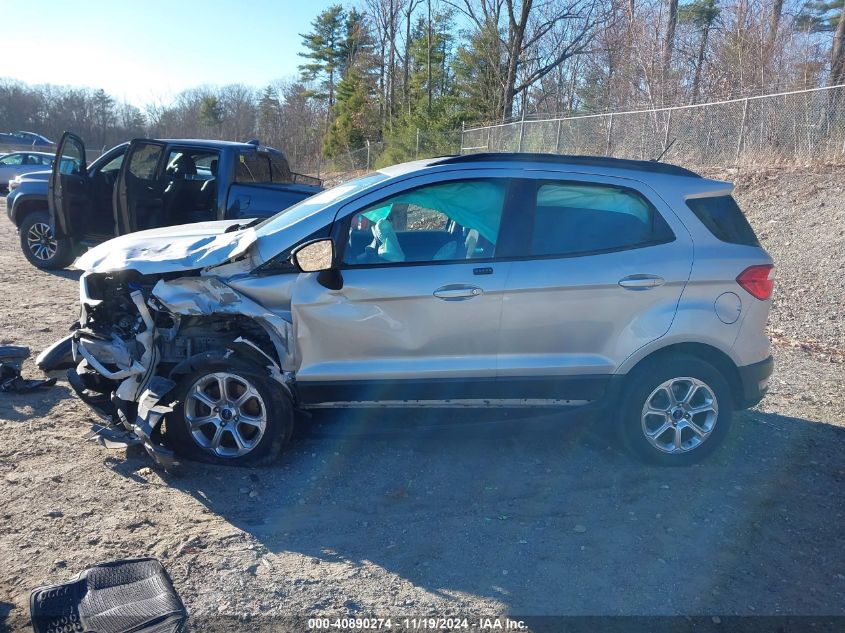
x=394 y=514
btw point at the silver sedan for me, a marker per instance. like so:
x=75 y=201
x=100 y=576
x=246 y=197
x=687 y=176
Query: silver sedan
x=18 y=163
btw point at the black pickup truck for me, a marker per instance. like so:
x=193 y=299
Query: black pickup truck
x=145 y=184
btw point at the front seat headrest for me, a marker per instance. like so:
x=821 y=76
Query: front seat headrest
x=184 y=166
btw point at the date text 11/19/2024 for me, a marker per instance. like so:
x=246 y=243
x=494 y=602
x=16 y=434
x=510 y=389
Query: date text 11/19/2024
x=414 y=624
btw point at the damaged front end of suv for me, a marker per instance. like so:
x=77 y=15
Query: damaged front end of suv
x=159 y=326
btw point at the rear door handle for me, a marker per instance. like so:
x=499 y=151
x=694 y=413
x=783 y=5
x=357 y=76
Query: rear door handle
x=457 y=292
x=641 y=282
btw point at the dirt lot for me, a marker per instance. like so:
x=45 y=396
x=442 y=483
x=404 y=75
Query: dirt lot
x=378 y=513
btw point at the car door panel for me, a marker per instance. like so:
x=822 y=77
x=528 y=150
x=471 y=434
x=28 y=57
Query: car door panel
x=572 y=316
x=584 y=314
x=69 y=195
x=138 y=194
x=387 y=323
x=403 y=330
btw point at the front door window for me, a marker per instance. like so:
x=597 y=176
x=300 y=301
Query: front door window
x=453 y=221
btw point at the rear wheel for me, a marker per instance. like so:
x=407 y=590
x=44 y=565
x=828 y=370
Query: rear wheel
x=40 y=245
x=675 y=411
x=227 y=415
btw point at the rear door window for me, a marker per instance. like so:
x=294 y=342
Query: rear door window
x=573 y=218
x=724 y=219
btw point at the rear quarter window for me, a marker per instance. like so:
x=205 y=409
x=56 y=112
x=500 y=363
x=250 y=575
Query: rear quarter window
x=262 y=167
x=252 y=167
x=724 y=219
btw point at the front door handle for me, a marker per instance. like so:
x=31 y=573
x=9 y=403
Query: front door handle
x=641 y=282
x=457 y=292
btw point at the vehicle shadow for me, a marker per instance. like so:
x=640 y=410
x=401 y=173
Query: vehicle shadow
x=545 y=517
x=66 y=273
x=22 y=407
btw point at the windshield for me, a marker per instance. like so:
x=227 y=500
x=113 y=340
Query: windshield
x=297 y=212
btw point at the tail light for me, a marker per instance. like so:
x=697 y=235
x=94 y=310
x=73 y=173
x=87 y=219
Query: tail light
x=758 y=281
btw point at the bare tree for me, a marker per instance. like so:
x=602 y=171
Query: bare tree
x=536 y=36
x=837 y=51
x=669 y=42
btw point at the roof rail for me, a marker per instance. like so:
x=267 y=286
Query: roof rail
x=569 y=159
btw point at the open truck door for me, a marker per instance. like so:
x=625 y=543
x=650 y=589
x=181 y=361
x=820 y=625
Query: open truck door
x=69 y=192
x=139 y=192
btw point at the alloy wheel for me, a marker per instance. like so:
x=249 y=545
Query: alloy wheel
x=225 y=414
x=679 y=415
x=41 y=242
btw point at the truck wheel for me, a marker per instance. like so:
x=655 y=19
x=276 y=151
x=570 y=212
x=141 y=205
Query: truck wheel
x=229 y=415
x=675 y=411
x=40 y=246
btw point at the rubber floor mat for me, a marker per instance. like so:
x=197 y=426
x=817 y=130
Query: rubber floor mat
x=127 y=596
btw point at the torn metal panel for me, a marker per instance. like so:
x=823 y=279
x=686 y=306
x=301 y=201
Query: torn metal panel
x=57 y=356
x=150 y=415
x=112 y=437
x=285 y=379
x=170 y=249
x=100 y=353
x=206 y=296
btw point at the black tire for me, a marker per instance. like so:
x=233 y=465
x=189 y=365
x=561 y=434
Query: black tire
x=48 y=253
x=633 y=420
x=272 y=397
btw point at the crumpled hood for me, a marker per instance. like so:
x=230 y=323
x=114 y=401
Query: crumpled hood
x=169 y=249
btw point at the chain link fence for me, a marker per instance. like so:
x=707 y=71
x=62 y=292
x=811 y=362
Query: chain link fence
x=800 y=126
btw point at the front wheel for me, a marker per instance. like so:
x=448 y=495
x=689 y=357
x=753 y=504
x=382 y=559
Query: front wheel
x=40 y=245
x=230 y=415
x=675 y=411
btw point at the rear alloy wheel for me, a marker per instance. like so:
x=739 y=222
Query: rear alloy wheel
x=40 y=245
x=679 y=415
x=230 y=415
x=675 y=410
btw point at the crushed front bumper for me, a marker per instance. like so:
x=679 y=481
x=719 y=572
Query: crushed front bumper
x=114 y=376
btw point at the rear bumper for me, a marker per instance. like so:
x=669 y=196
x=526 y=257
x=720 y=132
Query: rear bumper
x=754 y=382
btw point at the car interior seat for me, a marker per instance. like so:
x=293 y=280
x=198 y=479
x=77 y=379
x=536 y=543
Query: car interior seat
x=182 y=192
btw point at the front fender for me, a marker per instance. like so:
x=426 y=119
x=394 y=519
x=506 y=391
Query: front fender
x=19 y=204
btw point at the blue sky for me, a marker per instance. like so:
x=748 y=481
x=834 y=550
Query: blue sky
x=146 y=51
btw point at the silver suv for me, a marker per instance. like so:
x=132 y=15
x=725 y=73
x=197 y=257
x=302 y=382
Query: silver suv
x=504 y=280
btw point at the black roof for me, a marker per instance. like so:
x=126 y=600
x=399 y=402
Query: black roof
x=569 y=159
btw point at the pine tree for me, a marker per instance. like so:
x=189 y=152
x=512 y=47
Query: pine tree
x=326 y=51
x=356 y=119
x=211 y=113
x=828 y=16
x=269 y=116
x=701 y=14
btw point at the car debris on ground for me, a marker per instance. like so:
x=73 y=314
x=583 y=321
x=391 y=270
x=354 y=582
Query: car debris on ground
x=11 y=379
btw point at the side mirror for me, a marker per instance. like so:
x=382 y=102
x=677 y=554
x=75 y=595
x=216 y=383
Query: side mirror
x=314 y=256
x=318 y=257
